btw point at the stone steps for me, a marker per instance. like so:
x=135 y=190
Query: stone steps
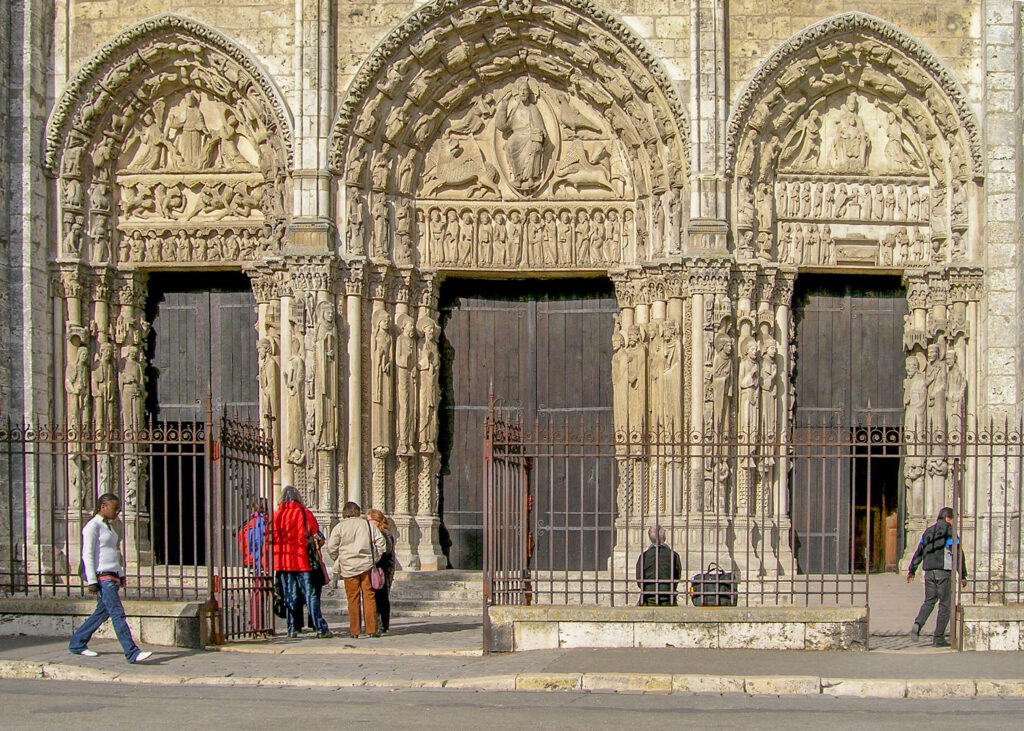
x=449 y=593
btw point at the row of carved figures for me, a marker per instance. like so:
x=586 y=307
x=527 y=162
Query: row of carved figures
x=405 y=392
x=200 y=200
x=755 y=381
x=203 y=245
x=852 y=201
x=97 y=377
x=935 y=389
x=530 y=238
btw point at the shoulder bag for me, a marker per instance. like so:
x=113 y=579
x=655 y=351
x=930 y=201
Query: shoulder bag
x=316 y=564
x=376 y=573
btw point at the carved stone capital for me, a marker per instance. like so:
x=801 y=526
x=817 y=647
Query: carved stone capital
x=966 y=284
x=351 y=275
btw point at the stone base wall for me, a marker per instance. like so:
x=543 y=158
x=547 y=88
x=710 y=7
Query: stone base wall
x=992 y=628
x=171 y=624
x=514 y=629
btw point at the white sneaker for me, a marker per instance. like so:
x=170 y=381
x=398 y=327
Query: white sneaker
x=143 y=656
x=88 y=653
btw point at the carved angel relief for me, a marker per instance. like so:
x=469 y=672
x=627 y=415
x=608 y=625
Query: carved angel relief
x=190 y=158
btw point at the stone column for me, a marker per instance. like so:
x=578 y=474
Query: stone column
x=381 y=377
x=406 y=357
x=353 y=287
x=915 y=429
x=428 y=549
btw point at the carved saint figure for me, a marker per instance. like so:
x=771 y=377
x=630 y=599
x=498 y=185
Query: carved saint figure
x=500 y=232
x=956 y=391
x=268 y=379
x=620 y=374
x=672 y=380
x=769 y=390
x=915 y=398
x=850 y=148
x=721 y=382
x=132 y=389
x=381 y=374
x=465 y=244
x=294 y=382
x=76 y=382
x=104 y=387
x=636 y=380
x=187 y=130
x=936 y=373
x=325 y=344
x=549 y=239
x=429 y=367
x=749 y=384
x=519 y=121
x=405 y=364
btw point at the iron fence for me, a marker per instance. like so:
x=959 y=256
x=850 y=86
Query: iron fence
x=186 y=490
x=800 y=520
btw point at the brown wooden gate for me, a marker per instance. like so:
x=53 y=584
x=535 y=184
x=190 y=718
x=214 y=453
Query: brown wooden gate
x=849 y=361
x=546 y=349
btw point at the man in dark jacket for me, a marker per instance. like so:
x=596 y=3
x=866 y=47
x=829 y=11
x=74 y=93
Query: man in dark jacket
x=658 y=570
x=935 y=551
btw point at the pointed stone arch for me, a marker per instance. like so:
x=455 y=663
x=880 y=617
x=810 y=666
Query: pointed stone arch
x=854 y=144
x=605 y=114
x=116 y=64
x=911 y=64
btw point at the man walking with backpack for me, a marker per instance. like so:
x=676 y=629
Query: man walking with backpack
x=935 y=551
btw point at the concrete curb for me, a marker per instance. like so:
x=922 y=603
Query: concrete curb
x=803 y=685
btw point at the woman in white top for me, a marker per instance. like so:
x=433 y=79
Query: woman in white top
x=104 y=576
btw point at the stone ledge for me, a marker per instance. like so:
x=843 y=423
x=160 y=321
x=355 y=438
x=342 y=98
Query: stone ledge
x=67 y=606
x=677 y=614
x=988 y=613
x=175 y=624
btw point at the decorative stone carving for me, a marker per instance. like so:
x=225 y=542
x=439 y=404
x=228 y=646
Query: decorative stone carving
x=133 y=388
x=104 y=387
x=636 y=380
x=721 y=377
x=382 y=375
x=325 y=393
x=405 y=370
x=295 y=384
x=429 y=367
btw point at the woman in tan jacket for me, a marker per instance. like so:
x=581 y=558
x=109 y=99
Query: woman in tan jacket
x=353 y=544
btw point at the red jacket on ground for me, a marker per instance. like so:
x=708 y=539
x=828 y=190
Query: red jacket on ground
x=290 y=540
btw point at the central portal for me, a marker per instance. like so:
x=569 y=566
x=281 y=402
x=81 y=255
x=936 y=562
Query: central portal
x=545 y=348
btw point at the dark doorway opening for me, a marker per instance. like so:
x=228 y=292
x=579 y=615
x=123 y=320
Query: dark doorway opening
x=544 y=346
x=845 y=502
x=201 y=345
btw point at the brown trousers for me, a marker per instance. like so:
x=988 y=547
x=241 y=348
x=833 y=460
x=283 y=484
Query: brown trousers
x=354 y=585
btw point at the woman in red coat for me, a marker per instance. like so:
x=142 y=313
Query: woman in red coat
x=293 y=526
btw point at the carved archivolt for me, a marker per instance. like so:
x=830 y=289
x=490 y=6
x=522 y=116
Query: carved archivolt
x=171 y=146
x=853 y=147
x=494 y=111
x=915 y=67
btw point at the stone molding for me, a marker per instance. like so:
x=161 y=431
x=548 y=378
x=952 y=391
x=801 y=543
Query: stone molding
x=433 y=14
x=86 y=84
x=853 y=22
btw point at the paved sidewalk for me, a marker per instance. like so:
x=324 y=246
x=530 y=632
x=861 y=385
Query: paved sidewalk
x=444 y=653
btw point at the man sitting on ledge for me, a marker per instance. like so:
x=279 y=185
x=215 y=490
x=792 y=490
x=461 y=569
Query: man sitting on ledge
x=658 y=571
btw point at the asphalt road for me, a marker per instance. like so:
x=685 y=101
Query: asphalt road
x=48 y=704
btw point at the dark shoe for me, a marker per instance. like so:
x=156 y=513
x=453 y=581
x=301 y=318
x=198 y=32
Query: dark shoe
x=324 y=635
x=375 y=634
x=350 y=636
x=940 y=642
x=915 y=632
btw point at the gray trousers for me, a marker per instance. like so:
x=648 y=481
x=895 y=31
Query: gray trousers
x=936 y=589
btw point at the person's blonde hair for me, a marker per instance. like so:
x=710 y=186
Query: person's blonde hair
x=378 y=517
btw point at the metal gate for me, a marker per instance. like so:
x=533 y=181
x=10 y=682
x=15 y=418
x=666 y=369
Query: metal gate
x=187 y=490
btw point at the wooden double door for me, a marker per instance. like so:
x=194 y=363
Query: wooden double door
x=545 y=349
x=849 y=366
x=201 y=344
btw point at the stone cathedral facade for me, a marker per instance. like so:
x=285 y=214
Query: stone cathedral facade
x=349 y=157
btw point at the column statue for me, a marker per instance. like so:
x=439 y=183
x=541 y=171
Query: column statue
x=405 y=363
x=430 y=396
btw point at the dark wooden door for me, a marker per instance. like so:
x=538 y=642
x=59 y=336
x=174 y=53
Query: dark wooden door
x=849 y=361
x=202 y=343
x=545 y=350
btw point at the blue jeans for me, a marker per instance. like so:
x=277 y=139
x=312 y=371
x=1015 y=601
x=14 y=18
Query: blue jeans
x=108 y=605
x=294 y=582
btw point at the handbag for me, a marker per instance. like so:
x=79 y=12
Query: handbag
x=317 y=572
x=280 y=608
x=713 y=588
x=376 y=573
